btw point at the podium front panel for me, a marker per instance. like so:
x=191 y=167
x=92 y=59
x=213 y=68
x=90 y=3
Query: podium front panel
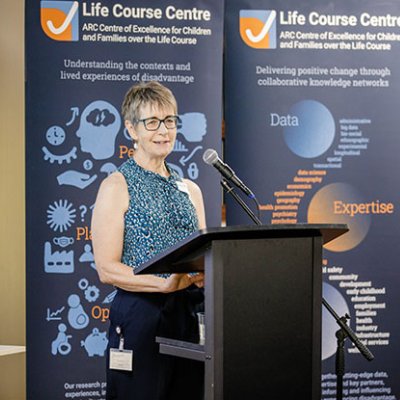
x=263 y=319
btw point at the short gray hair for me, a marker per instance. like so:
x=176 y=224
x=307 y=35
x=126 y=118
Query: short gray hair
x=144 y=93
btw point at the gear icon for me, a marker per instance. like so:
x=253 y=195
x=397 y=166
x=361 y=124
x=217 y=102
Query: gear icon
x=92 y=293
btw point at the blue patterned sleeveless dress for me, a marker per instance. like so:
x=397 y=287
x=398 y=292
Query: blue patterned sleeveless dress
x=159 y=216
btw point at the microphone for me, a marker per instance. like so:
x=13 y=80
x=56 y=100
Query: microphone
x=210 y=157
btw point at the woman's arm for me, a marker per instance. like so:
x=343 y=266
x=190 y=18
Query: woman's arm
x=197 y=199
x=107 y=236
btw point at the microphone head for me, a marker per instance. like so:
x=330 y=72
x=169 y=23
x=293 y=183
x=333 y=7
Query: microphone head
x=210 y=156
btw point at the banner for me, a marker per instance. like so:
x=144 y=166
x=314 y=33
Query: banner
x=312 y=123
x=81 y=58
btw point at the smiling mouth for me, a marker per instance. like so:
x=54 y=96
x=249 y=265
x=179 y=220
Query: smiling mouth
x=162 y=142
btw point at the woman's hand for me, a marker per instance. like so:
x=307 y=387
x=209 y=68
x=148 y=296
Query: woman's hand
x=177 y=282
x=198 y=279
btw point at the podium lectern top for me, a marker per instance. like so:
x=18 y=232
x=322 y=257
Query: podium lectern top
x=187 y=255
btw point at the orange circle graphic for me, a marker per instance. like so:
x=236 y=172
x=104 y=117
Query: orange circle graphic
x=332 y=205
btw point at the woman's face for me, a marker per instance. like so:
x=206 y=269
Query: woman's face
x=153 y=144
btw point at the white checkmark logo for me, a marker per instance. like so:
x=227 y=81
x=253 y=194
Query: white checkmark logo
x=264 y=30
x=67 y=21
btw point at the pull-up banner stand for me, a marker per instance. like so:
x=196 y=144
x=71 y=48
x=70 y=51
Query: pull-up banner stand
x=81 y=58
x=312 y=127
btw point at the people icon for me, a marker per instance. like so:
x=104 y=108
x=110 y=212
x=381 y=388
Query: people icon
x=60 y=344
x=99 y=125
x=77 y=317
x=87 y=255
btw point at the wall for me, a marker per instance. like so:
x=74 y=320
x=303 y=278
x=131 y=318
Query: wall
x=12 y=197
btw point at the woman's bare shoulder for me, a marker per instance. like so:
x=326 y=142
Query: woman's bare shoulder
x=113 y=189
x=193 y=187
x=114 y=181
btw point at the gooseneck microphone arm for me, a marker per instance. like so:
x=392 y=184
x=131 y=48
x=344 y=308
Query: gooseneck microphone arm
x=229 y=189
x=210 y=157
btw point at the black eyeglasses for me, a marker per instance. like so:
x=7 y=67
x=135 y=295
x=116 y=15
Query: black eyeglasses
x=153 y=123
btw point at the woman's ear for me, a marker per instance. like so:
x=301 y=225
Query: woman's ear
x=131 y=129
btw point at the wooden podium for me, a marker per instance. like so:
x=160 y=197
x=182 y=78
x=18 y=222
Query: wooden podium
x=262 y=308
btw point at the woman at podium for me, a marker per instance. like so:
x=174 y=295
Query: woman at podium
x=141 y=210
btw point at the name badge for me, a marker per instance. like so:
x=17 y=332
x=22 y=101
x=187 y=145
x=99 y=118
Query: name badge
x=182 y=187
x=121 y=360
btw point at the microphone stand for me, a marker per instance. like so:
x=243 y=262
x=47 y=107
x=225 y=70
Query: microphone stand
x=229 y=189
x=344 y=332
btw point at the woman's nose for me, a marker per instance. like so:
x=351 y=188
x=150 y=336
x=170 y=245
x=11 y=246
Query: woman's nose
x=162 y=129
